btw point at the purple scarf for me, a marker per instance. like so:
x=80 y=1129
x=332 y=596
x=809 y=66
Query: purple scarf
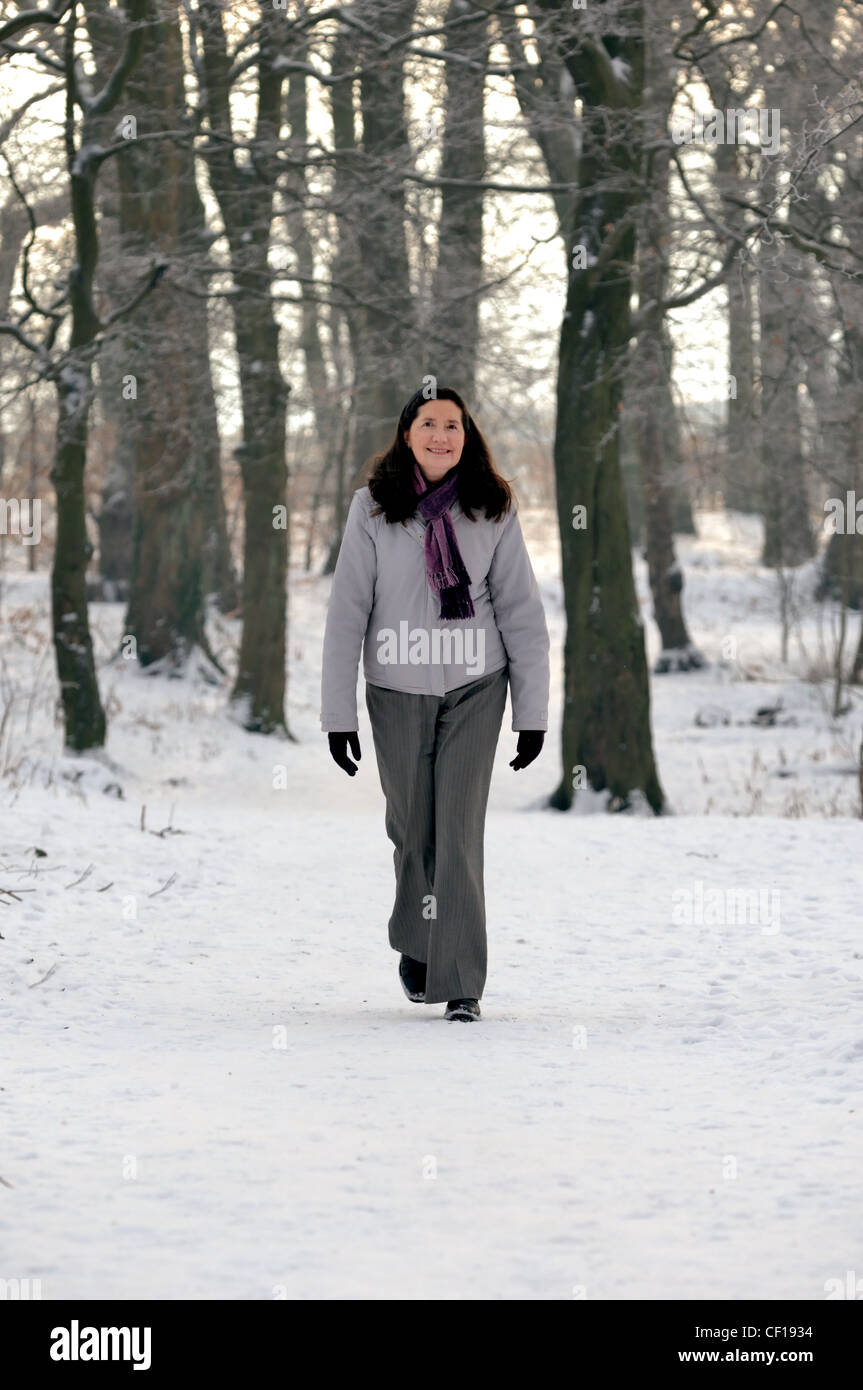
x=445 y=569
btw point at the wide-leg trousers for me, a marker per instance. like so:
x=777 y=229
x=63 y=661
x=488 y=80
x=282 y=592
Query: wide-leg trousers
x=435 y=756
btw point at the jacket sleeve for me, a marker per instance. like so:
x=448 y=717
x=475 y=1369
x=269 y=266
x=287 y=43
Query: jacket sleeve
x=351 y=598
x=520 y=619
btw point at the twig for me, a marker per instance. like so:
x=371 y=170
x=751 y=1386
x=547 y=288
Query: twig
x=166 y=829
x=45 y=977
x=165 y=885
x=86 y=874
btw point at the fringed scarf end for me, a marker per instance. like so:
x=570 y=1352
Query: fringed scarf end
x=456 y=603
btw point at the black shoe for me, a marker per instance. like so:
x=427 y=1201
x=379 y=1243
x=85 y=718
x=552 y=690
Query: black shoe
x=412 y=974
x=465 y=1010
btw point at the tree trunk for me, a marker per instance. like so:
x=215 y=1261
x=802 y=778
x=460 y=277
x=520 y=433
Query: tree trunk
x=788 y=538
x=329 y=402
x=388 y=360
x=682 y=519
x=116 y=510
x=606 y=714
x=219 y=577
x=856 y=677
x=743 y=461
x=73 y=646
x=453 y=332
x=729 y=86
x=840 y=574
x=630 y=469
x=172 y=417
x=84 y=716
x=742 y=465
x=666 y=577
x=13 y=229
x=259 y=689
x=245 y=197
x=839 y=405
x=651 y=380
x=606 y=710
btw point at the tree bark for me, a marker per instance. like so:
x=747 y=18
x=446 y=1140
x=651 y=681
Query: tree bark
x=788 y=539
x=666 y=577
x=152 y=194
x=329 y=400
x=742 y=465
x=245 y=195
x=841 y=431
x=651 y=380
x=178 y=511
x=13 y=230
x=84 y=716
x=388 y=360
x=606 y=715
x=682 y=519
x=116 y=509
x=342 y=102
x=453 y=328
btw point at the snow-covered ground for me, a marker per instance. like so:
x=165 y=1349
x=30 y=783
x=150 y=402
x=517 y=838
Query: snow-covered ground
x=213 y=1086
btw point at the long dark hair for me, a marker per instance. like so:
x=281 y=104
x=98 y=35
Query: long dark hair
x=390 y=474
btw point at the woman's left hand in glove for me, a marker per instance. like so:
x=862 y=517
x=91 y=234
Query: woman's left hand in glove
x=530 y=742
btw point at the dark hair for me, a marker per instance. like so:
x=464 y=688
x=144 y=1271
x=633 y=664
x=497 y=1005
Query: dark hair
x=390 y=474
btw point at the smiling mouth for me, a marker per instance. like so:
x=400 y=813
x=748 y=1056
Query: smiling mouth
x=439 y=451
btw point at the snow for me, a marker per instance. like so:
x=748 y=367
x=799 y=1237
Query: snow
x=215 y=1088
x=84 y=156
x=621 y=70
x=76 y=384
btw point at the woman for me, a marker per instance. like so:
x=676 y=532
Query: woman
x=447 y=609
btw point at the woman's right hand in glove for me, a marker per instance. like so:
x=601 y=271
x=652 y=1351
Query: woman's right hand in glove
x=339 y=750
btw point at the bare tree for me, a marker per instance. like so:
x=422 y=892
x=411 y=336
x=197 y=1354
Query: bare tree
x=243 y=176
x=70 y=367
x=657 y=438
x=606 y=717
x=178 y=521
x=453 y=323
x=372 y=211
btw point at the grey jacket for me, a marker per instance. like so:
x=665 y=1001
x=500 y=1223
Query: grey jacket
x=381 y=601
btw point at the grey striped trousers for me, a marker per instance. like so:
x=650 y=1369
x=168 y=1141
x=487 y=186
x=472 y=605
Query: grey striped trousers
x=435 y=755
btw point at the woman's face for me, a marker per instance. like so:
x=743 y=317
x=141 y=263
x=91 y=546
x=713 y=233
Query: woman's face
x=436 y=438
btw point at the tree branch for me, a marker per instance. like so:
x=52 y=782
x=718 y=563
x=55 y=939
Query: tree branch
x=27 y=18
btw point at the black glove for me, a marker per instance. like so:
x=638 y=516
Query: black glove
x=339 y=750
x=530 y=742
